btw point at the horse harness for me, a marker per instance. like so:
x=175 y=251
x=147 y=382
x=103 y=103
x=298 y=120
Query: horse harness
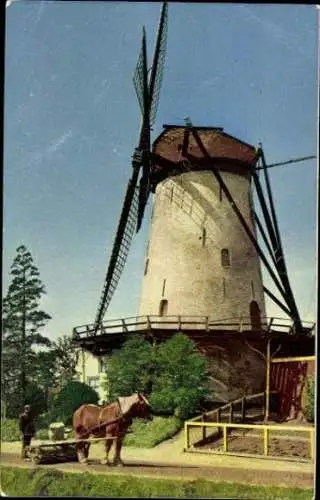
x=120 y=417
x=104 y=424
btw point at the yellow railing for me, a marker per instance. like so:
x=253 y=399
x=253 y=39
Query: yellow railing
x=292 y=359
x=263 y=427
x=231 y=407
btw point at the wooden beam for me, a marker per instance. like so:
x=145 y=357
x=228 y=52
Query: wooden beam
x=267 y=407
x=293 y=359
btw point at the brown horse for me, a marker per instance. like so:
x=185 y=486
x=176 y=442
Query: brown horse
x=112 y=420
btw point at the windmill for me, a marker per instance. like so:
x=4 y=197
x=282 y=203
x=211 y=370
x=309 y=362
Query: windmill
x=203 y=259
x=148 y=90
x=149 y=170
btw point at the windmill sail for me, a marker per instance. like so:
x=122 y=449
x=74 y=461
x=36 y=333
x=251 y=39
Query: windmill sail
x=158 y=64
x=136 y=196
x=139 y=75
x=153 y=101
x=121 y=246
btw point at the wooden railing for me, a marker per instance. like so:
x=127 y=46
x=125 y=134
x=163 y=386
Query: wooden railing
x=212 y=419
x=141 y=324
x=263 y=427
x=230 y=408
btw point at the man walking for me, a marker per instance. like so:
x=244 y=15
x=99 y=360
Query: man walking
x=27 y=429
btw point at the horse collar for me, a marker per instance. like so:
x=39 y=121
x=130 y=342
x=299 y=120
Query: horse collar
x=120 y=409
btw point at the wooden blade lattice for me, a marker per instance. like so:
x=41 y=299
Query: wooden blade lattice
x=122 y=243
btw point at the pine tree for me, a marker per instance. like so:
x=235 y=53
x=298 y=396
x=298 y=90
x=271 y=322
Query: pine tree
x=44 y=373
x=22 y=322
x=66 y=358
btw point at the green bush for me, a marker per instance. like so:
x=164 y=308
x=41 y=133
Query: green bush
x=10 y=430
x=171 y=374
x=42 y=434
x=310 y=399
x=36 y=398
x=129 y=369
x=31 y=482
x=43 y=421
x=162 y=402
x=148 y=435
x=72 y=395
x=3 y=409
x=179 y=378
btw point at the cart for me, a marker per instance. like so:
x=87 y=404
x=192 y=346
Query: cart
x=57 y=451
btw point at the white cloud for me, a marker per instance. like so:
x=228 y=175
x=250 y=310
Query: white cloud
x=40 y=10
x=106 y=84
x=273 y=29
x=37 y=156
x=59 y=142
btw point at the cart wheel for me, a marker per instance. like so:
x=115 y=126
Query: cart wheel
x=35 y=456
x=35 y=459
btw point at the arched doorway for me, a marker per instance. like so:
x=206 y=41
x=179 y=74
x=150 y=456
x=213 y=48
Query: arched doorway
x=255 y=315
x=163 y=309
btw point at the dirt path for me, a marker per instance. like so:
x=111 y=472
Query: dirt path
x=168 y=460
x=140 y=468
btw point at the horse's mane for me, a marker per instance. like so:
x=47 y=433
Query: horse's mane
x=127 y=402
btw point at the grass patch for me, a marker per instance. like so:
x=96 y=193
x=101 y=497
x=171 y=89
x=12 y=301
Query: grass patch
x=147 y=435
x=41 y=482
x=10 y=430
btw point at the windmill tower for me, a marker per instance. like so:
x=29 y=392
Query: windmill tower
x=199 y=260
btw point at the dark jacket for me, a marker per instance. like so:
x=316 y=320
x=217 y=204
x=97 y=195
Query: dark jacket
x=26 y=424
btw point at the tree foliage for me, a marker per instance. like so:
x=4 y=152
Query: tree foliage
x=129 y=369
x=66 y=401
x=65 y=358
x=23 y=320
x=179 y=379
x=37 y=397
x=310 y=399
x=56 y=366
x=171 y=373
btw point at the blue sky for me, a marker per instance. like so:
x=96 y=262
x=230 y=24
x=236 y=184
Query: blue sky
x=72 y=122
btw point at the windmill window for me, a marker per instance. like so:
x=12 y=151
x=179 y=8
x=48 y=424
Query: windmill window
x=252 y=289
x=163 y=310
x=146 y=266
x=225 y=257
x=163 y=286
x=204 y=235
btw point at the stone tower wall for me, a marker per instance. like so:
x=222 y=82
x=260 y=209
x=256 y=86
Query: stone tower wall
x=192 y=224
